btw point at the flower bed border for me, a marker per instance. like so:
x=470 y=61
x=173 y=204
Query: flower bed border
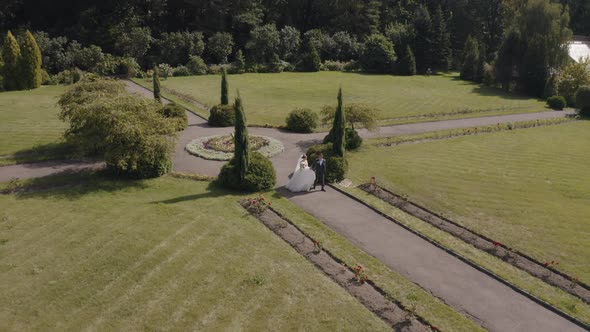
x=197 y=148
x=370 y=295
x=518 y=259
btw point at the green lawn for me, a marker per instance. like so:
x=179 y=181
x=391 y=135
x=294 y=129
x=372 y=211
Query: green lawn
x=157 y=255
x=268 y=98
x=525 y=188
x=29 y=126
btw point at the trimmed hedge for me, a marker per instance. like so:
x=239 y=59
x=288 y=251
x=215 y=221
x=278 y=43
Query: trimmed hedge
x=556 y=102
x=353 y=140
x=177 y=114
x=336 y=166
x=261 y=175
x=583 y=100
x=222 y=116
x=302 y=120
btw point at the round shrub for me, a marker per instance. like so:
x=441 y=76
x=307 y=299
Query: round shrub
x=302 y=120
x=177 y=114
x=222 y=116
x=583 y=100
x=336 y=166
x=260 y=176
x=45 y=78
x=556 y=102
x=181 y=71
x=197 y=66
x=353 y=140
x=151 y=159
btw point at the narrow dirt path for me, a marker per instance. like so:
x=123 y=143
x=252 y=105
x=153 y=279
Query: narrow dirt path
x=491 y=303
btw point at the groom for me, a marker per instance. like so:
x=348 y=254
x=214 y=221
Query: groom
x=319 y=166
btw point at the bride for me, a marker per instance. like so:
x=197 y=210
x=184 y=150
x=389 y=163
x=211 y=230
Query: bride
x=303 y=177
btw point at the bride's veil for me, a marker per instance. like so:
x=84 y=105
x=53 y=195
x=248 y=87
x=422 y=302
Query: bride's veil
x=298 y=164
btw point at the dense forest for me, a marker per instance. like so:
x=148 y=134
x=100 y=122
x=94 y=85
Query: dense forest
x=388 y=36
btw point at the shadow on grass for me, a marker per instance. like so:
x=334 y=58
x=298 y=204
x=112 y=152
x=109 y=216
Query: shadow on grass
x=213 y=191
x=71 y=185
x=42 y=152
x=497 y=92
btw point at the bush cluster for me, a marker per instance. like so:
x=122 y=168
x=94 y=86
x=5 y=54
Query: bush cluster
x=222 y=116
x=175 y=114
x=302 y=120
x=126 y=130
x=260 y=176
x=556 y=102
x=336 y=166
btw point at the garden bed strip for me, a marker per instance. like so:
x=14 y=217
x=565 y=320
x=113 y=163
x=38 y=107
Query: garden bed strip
x=482 y=242
x=482 y=269
x=371 y=296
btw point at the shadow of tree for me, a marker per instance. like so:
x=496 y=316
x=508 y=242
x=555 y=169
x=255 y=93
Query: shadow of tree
x=497 y=92
x=213 y=191
x=43 y=152
x=72 y=185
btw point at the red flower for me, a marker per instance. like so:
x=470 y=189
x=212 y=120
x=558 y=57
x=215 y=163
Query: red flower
x=269 y=203
x=556 y=263
x=546 y=263
x=434 y=328
x=496 y=243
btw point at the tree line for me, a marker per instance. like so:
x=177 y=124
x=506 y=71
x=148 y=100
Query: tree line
x=517 y=40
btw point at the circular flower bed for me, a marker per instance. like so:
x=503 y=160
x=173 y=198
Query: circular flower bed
x=221 y=147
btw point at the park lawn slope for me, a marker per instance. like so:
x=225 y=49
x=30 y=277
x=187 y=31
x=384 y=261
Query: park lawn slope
x=268 y=98
x=30 y=129
x=157 y=255
x=525 y=188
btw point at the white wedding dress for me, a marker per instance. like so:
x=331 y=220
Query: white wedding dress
x=303 y=177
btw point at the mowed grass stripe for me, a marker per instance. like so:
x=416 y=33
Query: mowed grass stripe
x=268 y=98
x=524 y=188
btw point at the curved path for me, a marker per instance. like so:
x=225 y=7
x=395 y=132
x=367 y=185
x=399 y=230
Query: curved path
x=489 y=302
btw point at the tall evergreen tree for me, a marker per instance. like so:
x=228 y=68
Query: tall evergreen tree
x=408 y=63
x=30 y=62
x=311 y=60
x=241 y=140
x=441 y=41
x=224 y=87
x=11 y=56
x=470 y=59
x=423 y=41
x=338 y=132
x=481 y=62
x=156 y=80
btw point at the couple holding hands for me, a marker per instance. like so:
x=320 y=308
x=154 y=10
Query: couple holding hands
x=305 y=178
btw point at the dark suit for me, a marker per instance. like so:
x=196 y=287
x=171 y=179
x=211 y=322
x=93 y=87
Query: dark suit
x=319 y=166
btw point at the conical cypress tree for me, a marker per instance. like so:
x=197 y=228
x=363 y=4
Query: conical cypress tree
x=157 y=85
x=408 y=62
x=11 y=56
x=224 y=88
x=30 y=62
x=241 y=141
x=481 y=63
x=441 y=41
x=470 y=59
x=240 y=62
x=339 y=128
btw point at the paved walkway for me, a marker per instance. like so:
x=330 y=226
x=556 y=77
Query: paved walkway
x=489 y=302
